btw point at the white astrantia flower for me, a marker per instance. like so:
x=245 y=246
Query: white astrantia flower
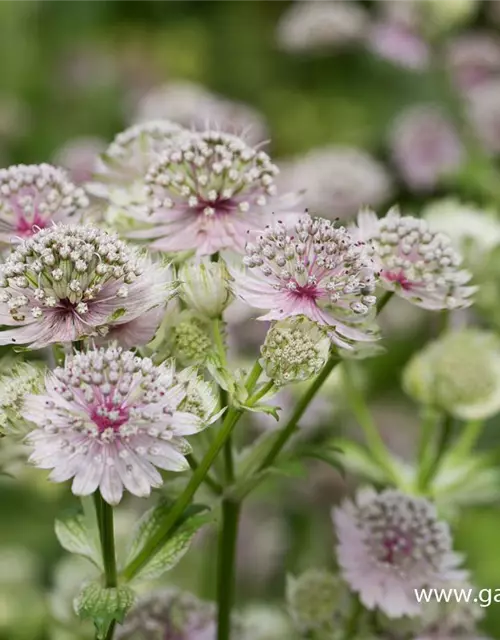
x=200 y=398
x=108 y=419
x=205 y=286
x=414 y=261
x=458 y=373
x=390 y=544
x=295 y=349
x=17 y=380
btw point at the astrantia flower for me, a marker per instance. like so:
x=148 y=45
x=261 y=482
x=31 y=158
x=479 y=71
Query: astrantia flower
x=107 y=419
x=33 y=197
x=204 y=286
x=390 y=544
x=474 y=58
x=79 y=157
x=206 y=193
x=414 y=261
x=484 y=113
x=312 y=269
x=425 y=147
x=295 y=350
x=69 y=282
x=458 y=373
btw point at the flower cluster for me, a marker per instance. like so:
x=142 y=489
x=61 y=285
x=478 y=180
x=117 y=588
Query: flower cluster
x=314 y=269
x=107 y=419
x=390 y=544
x=69 y=282
x=414 y=261
x=33 y=197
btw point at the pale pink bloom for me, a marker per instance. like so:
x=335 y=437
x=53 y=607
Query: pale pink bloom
x=107 y=419
x=399 y=44
x=313 y=269
x=474 y=58
x=484 y=114
x=414 y=261
x=70 y=282
x=390 y=544
x=425 y=147
x=36 y=196
x=205 y=193
x=79 y=157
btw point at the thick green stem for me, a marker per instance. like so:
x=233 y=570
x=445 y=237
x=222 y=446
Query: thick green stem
x=226 y=573
x=429 y=473
x=253 y=376
x=104 y=513
x=467 y=439
x=210 y=482
x=428 y=429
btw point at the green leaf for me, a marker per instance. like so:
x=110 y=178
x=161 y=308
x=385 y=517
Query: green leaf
x=74 y=536
x=269 y=409
x=103 y=605
x=358 y=460
x=170 y=553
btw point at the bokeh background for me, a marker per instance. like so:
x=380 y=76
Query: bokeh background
x=73 y=74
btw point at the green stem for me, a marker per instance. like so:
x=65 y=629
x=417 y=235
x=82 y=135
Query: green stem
x=467 y=439
x=444 y=438
x=210 y=482
x=428 y=430
x=262 y=391
x=104 y=513
x=353 y=620
x=383 y=300
x=111 y=630
x=226 y=573
x=253 y=376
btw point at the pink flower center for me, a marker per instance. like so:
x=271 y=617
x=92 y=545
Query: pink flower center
x=398 y=278
x=109 y=416
x=396 y=544
x=309 y=291
x=26 y=227
x=221 y=206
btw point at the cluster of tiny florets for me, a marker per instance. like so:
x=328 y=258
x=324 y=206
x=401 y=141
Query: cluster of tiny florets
x=33 y=197
x=153 y=135
x=190 y=341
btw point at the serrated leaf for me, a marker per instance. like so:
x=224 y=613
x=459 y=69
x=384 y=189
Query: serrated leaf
x=74 y=536
x=103 y=605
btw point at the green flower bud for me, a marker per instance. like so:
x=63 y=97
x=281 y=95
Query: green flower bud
x=459 y=373
x=23 y=378
x=295 y=350
x=190 y=341
x=205 y=287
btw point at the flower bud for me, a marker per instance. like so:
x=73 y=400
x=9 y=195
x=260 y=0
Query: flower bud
x=459 y=373
x=205 y=286
x=295 y=350
x=16 y=383
x=190 y=341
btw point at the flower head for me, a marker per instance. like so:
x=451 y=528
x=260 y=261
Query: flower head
x=107 y=419
x=206 y=193
x=69 y=282
x=414 y=261
x=33 y=197
x=484 y=113
x=458 y=373
x=474 y=58
x=390 y=544
x=314 y=269
x=204 y=286
x=295 y=350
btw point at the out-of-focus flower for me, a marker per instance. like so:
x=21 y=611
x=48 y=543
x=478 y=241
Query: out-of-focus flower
x=312 y=269
x=205 y=286
x=192 y=105
x=107 y=419
x=337 y=181
x=425 y=147
x=205 y=194
x=295 y=349
x=264 y=622
x=390 y=544
x=473 y=231
x=315 y=26
x=17 y=380
x=33 y=197
x=317 y=601
x=69 y=282
x=414 y=261
x=473 y=58
x=458 y=373
x=79 y=157
x=484 y=113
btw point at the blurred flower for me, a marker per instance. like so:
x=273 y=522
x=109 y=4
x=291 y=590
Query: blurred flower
x=473 y=231
x=425 y=147
x=473 y=58
x=17 y=380
x=69 y=282
x=206 y=193
x=317 y=601
x=205 y=286
x=414 y=261
x=295 y=349
x=79 y=157
x=107 y=419
x=390 y=544
x=458 y=373
x=484 y=113
x=337 y=181
x=192 y=105
x=312 y=269
x=313 y=26
x=35 y=196
x=264 y=622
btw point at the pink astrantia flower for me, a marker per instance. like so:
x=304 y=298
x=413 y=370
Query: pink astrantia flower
x=415 y=262
x=390 y=544
x=313 y=269
x=69 y=282
x=107 y=419
x=399 y=44
x=205 y=193
x=33 y=197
